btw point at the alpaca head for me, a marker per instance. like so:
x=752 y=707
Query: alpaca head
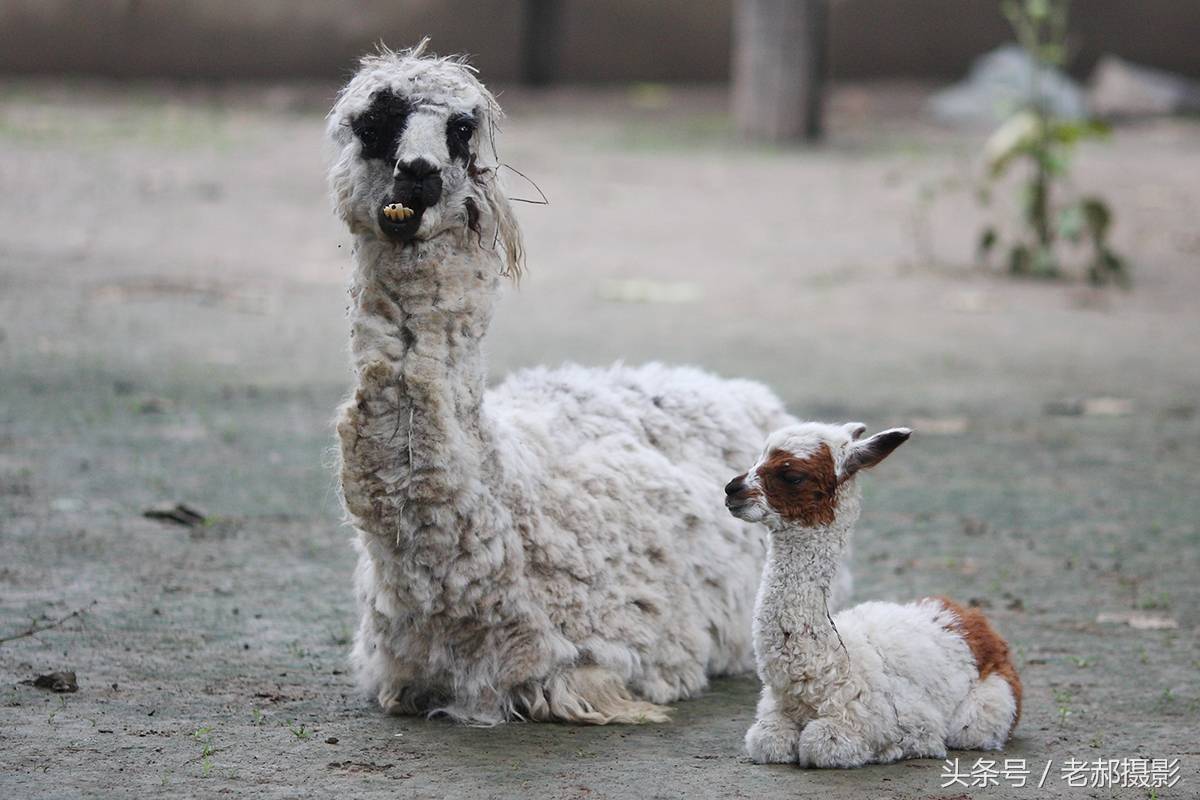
x=414 y=155
x=806 y=473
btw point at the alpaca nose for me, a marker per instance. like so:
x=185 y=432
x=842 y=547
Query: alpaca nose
x=736 y=486
x=421 y=179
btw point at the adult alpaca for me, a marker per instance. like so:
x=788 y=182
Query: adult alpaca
x=554 y=548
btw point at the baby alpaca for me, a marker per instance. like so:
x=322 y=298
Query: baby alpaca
x=879 y=682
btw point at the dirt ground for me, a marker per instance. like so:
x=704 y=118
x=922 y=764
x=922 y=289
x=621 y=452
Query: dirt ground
x=172 y=329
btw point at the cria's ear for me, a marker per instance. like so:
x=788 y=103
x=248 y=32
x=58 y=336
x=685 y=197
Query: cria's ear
x=855 y=430
x=867 y=453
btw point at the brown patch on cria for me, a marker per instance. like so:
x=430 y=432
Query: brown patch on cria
x=801 y=490
x=987 y=646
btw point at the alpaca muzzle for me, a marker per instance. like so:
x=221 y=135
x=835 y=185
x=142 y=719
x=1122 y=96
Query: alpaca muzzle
x=418 y=185
x=400 y=221
x=737 y=495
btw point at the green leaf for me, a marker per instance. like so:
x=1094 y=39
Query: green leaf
x=1019 y=261
x=1068 y=132
x=1099 y=218
x=1071 y=222
x=1045 y=265
x=1052 y=54
x=987 y=241
x=1017 y=136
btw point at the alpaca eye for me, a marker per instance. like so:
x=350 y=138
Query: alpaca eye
x=458 y=138
x=795 y=478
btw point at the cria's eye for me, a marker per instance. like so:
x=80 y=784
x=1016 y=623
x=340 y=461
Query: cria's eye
x=464 y=128
x=795 y=478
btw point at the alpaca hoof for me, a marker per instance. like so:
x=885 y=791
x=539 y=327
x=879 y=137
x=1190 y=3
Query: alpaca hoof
x=772 y=743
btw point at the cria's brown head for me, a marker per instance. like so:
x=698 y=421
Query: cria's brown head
x=797 y=479
x=801 y=489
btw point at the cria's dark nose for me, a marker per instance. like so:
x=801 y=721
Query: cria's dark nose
x=420 y=181
x=736 y=486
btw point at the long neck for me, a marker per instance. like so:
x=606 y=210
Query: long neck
x=799 y=573
x=792 y=610
x=416 y=448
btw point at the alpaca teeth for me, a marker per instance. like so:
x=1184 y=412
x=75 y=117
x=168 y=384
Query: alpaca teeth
x=397 y=211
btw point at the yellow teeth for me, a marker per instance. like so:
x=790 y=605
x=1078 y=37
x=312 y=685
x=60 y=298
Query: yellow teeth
x=397 y=212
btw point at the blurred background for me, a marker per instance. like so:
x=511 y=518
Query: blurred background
x=561 y=41
x=974 y=217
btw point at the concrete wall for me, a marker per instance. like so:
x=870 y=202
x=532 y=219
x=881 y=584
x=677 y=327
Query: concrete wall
x=602 y=40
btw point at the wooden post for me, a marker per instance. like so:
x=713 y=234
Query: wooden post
x=540 y=41
x=778 y=68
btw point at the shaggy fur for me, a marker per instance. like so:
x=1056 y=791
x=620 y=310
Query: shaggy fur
x=878 y=682
x=551 y=549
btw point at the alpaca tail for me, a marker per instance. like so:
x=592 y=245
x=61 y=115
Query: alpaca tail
x=588 y=695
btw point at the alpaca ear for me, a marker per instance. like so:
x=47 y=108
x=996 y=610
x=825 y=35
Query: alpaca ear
x=867 y=453
x=855 y=430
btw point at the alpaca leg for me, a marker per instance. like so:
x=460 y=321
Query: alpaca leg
x=589 y=695
x=825 y=743
x=985 y=717
x=773 y=737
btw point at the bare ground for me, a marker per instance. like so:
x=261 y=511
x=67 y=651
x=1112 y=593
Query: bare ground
x=172 y=328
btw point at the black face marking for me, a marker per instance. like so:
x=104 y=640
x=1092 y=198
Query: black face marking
x=459 y=131
x=380 y=126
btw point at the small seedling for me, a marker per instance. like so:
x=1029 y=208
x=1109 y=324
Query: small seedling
x=299 y=731
x=1161 y=601
x=204 y=737
x=340 y=637
x=62 y=706
x=1063 y=699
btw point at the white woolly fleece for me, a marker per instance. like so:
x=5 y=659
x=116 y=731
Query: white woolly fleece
x=875 y=683
x=555 y=548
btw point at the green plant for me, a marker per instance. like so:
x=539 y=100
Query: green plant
x=1034 y=137
x=204 y=737
x=1062 y=699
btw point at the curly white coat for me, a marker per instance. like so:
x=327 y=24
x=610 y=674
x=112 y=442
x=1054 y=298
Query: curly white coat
x=554 y=548
x=875 y=683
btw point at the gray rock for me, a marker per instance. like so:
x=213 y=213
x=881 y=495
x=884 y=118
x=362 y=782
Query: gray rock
x=999 y=83
x=1122 y=89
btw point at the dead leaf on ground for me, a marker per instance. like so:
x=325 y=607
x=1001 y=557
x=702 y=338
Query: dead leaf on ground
x=1091 y=407
x=61 y=682
x=274 y=697
x=177 y=514
x=645 y=290
x=359 y=766
x=1141 y=622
